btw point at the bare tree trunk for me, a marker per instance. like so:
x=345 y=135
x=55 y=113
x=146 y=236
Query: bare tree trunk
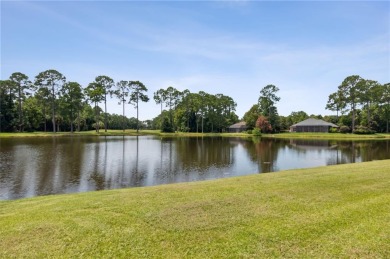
x=123 y=119
x=20 y=111
x=137 y=117
x=353 y=117
x=0 y=106
x=105 y=112
x=96 y=118
x=368 y=115
x=202 y=123
x=71 y=122
x=44 y=117
x=78 y=120
x=53 y=111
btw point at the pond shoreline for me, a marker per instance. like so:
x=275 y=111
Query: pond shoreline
x=325 y=136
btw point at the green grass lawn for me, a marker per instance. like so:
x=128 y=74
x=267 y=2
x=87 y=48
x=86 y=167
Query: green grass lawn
x=327 y=212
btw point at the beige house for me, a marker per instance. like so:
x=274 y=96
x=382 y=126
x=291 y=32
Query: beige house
x=238 y=127
x=312 y=125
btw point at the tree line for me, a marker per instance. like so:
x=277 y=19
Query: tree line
x=364 y=105
x=49 y=102
x=361 y=106
x=194 y=112
x=27 y=105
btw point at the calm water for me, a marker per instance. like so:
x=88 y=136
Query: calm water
x=40 y=166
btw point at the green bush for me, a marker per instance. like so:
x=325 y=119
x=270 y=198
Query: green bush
x=249 y=131
x=344 y=129
x=333 y=130
x=166 y=126
x=256 y=132
x=363 y=130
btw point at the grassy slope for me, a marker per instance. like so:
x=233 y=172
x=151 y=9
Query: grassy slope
x=335 y=211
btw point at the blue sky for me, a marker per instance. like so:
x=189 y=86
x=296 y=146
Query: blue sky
x=306 y=48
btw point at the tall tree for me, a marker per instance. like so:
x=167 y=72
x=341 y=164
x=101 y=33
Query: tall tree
x=106 y=83
x=296 y=117
x=32 y=113
x=170 y=97
x=335 y=102
x=350 y=94
x=121 y=92
x=267 y=101
x=43 y=98
x=368 y=94
x=158 y=98
x=203 y=108
x=7 y=95
x=385 y=103
x=137 y=95
x=72 y=96
x=22 y=85
x=95 y=94
x=250 y=117
x=52 y=80
x=186 y=97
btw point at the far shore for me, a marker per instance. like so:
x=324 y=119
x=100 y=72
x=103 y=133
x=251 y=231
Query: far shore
x=325 y=136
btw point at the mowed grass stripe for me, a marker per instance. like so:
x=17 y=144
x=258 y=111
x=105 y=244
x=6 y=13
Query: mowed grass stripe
x=334 y=211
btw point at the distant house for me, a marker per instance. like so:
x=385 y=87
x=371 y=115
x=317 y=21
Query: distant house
x=312 y=125
x=238 y=127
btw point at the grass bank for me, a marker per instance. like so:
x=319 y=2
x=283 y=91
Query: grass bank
x=337 y=211
x=81 y=133
x=336 y=136
x=120 y=133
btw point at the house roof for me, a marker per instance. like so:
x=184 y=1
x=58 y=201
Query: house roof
x=239 y=125
x=314 y=122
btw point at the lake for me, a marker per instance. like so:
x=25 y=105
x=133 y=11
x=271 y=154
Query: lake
x=41 y=166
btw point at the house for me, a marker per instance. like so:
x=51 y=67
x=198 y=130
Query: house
x=238 y=127
x=312 y=125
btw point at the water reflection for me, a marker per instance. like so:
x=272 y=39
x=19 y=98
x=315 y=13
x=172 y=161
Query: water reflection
x=40 y=166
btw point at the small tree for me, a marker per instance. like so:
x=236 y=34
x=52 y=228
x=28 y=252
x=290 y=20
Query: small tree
x=263 y=124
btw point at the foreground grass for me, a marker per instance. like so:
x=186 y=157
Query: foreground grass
x=326 y=212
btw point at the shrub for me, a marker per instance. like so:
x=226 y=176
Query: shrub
x=333 y=130
x=263 y=124
x=363 y=130
x=256 y=132
x=344 y=129
x=166 y=126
